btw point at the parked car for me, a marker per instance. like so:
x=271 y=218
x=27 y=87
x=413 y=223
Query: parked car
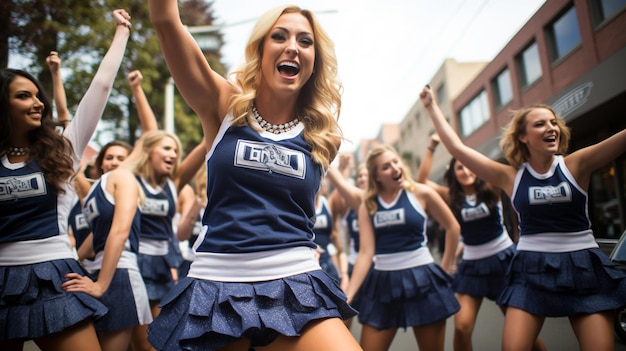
x=618 y=255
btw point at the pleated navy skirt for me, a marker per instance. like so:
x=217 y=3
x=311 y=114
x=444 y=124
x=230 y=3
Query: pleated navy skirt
x=32 y=303
x=206 y=315
x=406 y=298
x=483 y=277
x=564 y=284
x=127 y=301
x=156 y=274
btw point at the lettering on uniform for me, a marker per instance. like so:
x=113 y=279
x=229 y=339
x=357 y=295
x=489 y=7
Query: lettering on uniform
x=387 y=218
x=355 y=225
x=155 y=207
x=80 y=222
x=29 y=185
x=474 y=213
x=90 y=210
x=270 y=157
x=321 y=222
x=539 y=195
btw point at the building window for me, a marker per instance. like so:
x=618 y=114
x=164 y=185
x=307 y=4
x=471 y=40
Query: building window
x=474 y=114
x=503 y=88
x=563 y=34
x=603 y=9
x=441 y=94
x=528 y=64
x=418 y=120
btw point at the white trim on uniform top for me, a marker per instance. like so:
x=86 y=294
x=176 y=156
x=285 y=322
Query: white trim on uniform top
x=35 y=251
x=253 y=267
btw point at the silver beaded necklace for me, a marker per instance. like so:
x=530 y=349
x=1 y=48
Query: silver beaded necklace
x=17 y=151
x=274 y=128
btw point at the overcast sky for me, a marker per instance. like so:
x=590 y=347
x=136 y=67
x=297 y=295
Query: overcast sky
x=387 y=50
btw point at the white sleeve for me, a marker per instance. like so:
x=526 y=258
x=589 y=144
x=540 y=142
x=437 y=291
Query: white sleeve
x=91 y=106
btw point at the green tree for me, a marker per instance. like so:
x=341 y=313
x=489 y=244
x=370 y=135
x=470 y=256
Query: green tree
x=81 y=31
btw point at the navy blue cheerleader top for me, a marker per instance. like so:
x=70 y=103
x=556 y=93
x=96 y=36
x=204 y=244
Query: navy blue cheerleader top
x=158 y=210
x=479 y=223
x=352 y=227
x=400 y=225
x=323 y=226
x=99 y=209
x=78 y=223
x=261 y=190
x=29 y=204
x=550 y=203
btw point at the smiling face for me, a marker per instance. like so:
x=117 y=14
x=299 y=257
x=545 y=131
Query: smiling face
x=113 y=157
x=25 y=108
x=288 y=54
x=463 y=175
x=163 y=156
x=541 y=132
x=389 y=171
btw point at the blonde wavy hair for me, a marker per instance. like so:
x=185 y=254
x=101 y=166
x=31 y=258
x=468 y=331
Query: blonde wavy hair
x=143 y=166
x=517 y=152
x=319 y=101
x=373 y=186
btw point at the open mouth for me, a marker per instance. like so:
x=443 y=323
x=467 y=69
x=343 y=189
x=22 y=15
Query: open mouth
x=288 y=68
x=550 y=139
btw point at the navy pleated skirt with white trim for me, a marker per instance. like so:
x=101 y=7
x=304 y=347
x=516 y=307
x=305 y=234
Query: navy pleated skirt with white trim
x=483 y=277
x=564 y=284
x=32 y=303
x=127 y=301
x=406 y=298
x=206 y=315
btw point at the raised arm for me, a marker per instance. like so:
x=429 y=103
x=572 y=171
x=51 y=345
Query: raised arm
x=491 y=171
x=205 y=91
x=91 y=106
x=424 y=170
x=144 y=111
x=58 y=90
x=351 y=194
x=190 y=165
x=584 y=161
x=147 y=120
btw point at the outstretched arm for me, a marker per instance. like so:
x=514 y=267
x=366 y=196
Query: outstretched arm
x=91 y=106
x=583 y=162
x=205 y=91
x=58 y=91
x=491 y=171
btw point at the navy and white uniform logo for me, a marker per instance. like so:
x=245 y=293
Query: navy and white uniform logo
x=539 y=195
x=388 y=218
x=271 y=157
x=28 y=185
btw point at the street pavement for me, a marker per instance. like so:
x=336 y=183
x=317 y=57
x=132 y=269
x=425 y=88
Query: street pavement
x=556 y=333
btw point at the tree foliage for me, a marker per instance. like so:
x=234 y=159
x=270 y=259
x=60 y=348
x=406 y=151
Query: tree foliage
x=81 y=31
